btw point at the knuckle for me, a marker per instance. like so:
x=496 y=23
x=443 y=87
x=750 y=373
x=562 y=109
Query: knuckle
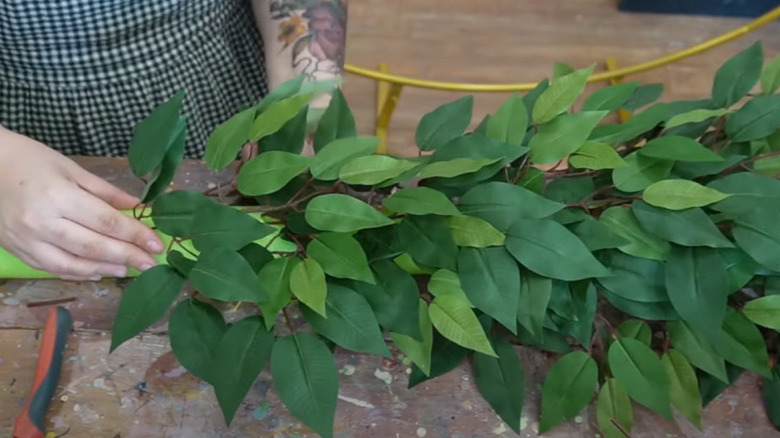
x=108 y=222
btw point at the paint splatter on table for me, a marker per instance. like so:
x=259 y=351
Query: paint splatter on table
x=141 y=391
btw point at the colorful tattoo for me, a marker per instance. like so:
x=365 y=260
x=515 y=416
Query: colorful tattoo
x=314 y=31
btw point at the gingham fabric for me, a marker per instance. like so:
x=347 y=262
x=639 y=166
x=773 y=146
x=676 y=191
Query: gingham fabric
x=78 y=75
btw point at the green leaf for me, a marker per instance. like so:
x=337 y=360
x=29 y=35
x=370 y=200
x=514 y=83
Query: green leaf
x=195 y=329
x=737 y=76
x=764 y=311
x=596 y=236
x=678 y=148
x=568 y=389
x=770 y=76
x=241 y=355
x=288 y=88
x=643 y=95
x=227 y=139
x=307 y=283
x=350 y=324
x=509 y=123
x=697 y=349
x=225 y=275
x=501 y=203
x=373 y=169
x=340 y=256
x=446 y=282
x=642 y=244
x=455 y=320
x=336 y=123
x=697 y=285
x=443 y=124
x=769 y=166
x=561 y=69
x=634 y=278
x=533 y=180
x=742 y=344
x=290 y=137
x=770 y=390
x=747 y=190
x=610 y=98
x=560 y=95
x=563 y=135
x=689 y=227
x=421 y=201
x=491 y=280
x=270 y=171
x=501 y=381
x=256 y=255
x=178 y=261
x=163 y=175
x=153 y=136
x=277 y=115
x=418 y=351
x=758 y=234
x=429 y=241
x=455 y=167
x=470 y=231
x=549 y=249
x=695 y=116
x=477 y=146
x=584 y=300
x=535 y=292
x=635 y=366
x=740 y=267
x=144 y=301
x=757 y=119
x=640 y=172
x=445 y=357
x=710 y=387
x=530 y=98
x=681 y=194
x=684 y=388
x=330 y=158
x=343 y=214
x=637 y=125
x=393 y=298
x=173 y=212
x=570 y=190
x=275 y=277
x=595 y=155
x=226 y=227
x=306 y=378
x=614 y=407
x=636 y=329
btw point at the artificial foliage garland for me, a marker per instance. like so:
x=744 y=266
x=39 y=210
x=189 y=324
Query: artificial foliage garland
x=646 y=256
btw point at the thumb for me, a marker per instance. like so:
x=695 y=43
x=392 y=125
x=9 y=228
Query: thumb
x=106 y=191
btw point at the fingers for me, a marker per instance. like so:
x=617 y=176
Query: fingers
x=105 y=190
x=47 y=257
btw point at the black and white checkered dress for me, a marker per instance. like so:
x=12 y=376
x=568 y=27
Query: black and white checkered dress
x=77 y=75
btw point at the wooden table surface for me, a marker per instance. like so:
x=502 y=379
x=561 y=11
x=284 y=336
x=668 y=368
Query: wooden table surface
x=141 y=391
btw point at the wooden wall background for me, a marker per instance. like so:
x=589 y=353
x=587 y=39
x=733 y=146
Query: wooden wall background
x=494 y=41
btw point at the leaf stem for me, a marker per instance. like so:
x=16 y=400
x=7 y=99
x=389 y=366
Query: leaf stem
x=287 y=320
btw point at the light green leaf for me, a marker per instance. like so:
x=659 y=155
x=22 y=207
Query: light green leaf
x=270 y=171
x=444 y=124
x=681 y=194
x=561 y=69
x=429 y=241
x=562 y=136
x=470 y=231
x=224 y=275
x=642 y=244
x=742 y=344
x=275 y=277
x=341 y=256
x=241 y=355
x=697 y=349
x=610 y=98
x=689 y=227
x=678 y=148
x=288 y=88
x=535 y=292
x=224 y=226
x=568 y=389
x=614 y=407
x=637 y=368
x=306 y=378
x=351 y=324
x=532 y=96
x=307 y=283
x=144 y=301
x=343 y=213
x=373 y=169
x=770 y=76
x=764 y=311
x=509 y=123
x=501 y=203
x=757 y=119
x=560 y=95
x=228 y=138
x=419 y=352
x=337 y=122
x=195 y=329
x=455 y=320
x=769 y=166
x=640 y=172
x=421 y=201
x=446 y=282
x=737 y=76
x=455 y=167
x=290 y=137
x=695 y=116
x=549 y=249
x=501 y=381
x=277 y=115
x=596 y=156
x=684 y=389
x=154 y=135
x=491 y=279
x=327 y=163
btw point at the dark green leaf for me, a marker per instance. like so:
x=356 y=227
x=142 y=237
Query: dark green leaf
x=642 y=244
x=771 y=393
x=675 y=147
x=455 y=320
x=501 y=381
x=770 y=77
x=445 y=357
x=164 y=174
x=637 y=125
x=226 y=227
x=570 y=190
x=477 y=146
x=692 y=170
x=563 y=136
x=308 y=284
x=195 y=329
x=420 y=201
x=697 y=349
x=341 y=256
x=181 y=263
x=568 y=389
x=658 y=311
x=290 y=137
x=530 y=98
x=509 y=123
x=270 y=171
x=635 y=278
x=224 y=275
x=228 y=138
x=533 y=180
x=491 y=279
x=501 y=203
x=610 y=98
x=757 y=119
x=144 y=302
x=758 y=234
x=740 y=267
x=737 y=76
x=742 y=344
x=684 y=389
x=560 y=95
x=690 y=227
x=535 y=292
x=643 y=95
x=584 y=300
x=636 y=329
x=640 y=172
x=337 y=122
x=241 y=355
x=174 y=212
x=328 y=162
x=306 y=378
x=343 y=214
x=710 y=387
x=393 y=299
x=747 y=190
x=153 y=136
x=443 y=124
x=256 y=255
x=429 y=241
x=637 y=368
x=596 y=235
x=418 y=351
x=275 y=278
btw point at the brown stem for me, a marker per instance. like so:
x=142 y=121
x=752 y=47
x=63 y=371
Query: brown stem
x=619 y=427
x=287 y=320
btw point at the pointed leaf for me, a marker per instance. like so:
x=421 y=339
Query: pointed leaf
x=325 y=166
x=758 y=234
x=445 y=357
x=642 y=244
x=455 y=320
x=746 y=190
x=690 y=227
x=535 y=292
x=637 y=368
x=275 y=278
x=501 y=203
x=644 y=95
x=610 y=98
x=596 y=235
x=634 y=278
x=560 y=95
x=509 y=123
x=429 y=241
x=307 y=283
x=681 y=194
x=443 y=124
x=228 y=138
x=678 y=148
x=501 y=381
x=421 y=201
x=636 y=329
x=696 y=349
x=226 y=227
x=640 y=172
x=418 y=351
x=455 y=167
x=562 y=136
x=491 y=279
x=757 y=119
x=614 y=407
x=694 y=116
x=474 y=232
x=742 y=344
x=444 y=282
x=764 y=311
x=770 y=76
x=568 y=389
x=195 y=329
x=340 y=256
x=737 y=76
x=393 y=298
x=771 y=393
x=343 y=213
x=337 y=122
x=270 y=171
x=174 y=212
x=596 y=156
x=162 y=176
x=153 y=136
x=276 y=115
x=684 y=388
x=373 y=169
x=225 y=275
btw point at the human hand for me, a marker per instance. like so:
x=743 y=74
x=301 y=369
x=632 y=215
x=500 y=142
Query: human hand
x=57 y=217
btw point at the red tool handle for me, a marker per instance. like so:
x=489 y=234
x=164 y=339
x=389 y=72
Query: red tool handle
x=31 y=421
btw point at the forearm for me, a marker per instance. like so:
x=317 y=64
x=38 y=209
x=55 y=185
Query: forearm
x=303 y=37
